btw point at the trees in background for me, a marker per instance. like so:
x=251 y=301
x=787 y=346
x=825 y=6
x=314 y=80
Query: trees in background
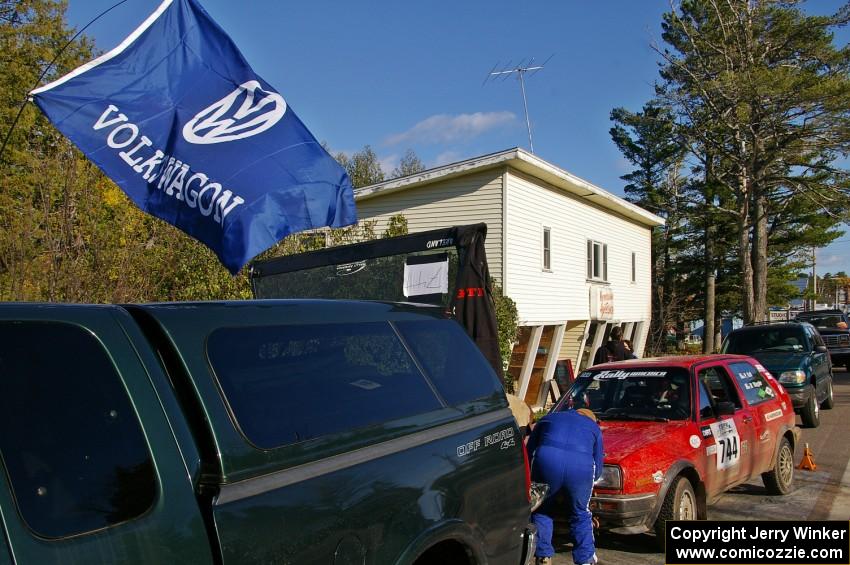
x=649 y=141
x=757 y=97
x=834 y=289
x=410 y=164
x=67 y=233
x=760 y=87
x=363 y=167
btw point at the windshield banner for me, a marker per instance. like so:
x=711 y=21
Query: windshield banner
x=176 y=117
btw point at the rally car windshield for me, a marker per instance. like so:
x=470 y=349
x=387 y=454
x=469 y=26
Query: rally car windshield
x=657 y=394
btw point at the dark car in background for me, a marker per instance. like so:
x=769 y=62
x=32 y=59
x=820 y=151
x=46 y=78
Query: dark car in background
x=834 y=328
x=796 y=355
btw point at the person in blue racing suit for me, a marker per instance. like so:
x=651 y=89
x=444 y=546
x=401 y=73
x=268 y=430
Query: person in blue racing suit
x=565 y=450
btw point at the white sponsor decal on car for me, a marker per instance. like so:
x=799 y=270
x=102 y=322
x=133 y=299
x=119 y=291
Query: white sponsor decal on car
x=695 y=441
x=773 y=415
x=604 y=375
x=728 y=442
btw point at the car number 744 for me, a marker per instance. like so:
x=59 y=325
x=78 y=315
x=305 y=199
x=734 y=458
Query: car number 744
x=728 y=442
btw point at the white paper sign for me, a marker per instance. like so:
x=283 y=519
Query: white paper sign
x=426 y=278
x=728 y=443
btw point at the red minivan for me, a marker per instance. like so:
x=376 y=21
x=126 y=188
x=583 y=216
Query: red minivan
x=679 y=431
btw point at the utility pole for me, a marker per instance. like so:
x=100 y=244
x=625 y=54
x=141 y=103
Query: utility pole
x=521 y=69
x=814 y=282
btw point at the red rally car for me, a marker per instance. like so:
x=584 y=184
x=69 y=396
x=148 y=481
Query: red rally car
x=679 y=431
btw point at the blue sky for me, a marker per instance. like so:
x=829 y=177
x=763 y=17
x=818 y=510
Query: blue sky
x=398 y=75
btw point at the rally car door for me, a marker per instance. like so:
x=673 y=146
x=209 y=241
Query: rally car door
x=729 y=444
x=766 y=407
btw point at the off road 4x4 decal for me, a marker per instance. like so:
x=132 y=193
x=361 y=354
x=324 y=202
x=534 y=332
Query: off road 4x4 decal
x=503 y=438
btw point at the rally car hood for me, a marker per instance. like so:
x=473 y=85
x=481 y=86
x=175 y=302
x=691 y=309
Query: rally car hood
x=778 y=361
x=643 y=440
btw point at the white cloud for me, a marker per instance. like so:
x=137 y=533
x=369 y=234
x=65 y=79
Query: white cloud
x=829 y=260
x=443 y=128
x=623 y=165
x=389 y=162
x=446 y=157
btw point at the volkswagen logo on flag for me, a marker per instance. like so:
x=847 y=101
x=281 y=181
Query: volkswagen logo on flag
x=257 y=110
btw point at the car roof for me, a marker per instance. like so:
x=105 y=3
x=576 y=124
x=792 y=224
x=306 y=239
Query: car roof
x=682 y=361
x=255 y=311
x=810 y=313
x=755 y=327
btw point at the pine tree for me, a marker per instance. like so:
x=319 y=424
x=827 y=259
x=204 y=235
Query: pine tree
x=760 y=86
x=649 y=141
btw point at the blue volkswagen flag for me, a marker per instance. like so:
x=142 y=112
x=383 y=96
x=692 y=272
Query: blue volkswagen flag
x=177 y=118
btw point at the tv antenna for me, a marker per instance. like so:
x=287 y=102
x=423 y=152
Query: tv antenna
x=520 y=69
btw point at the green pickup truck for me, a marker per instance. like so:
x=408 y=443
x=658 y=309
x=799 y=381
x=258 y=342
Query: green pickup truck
x=268 y=431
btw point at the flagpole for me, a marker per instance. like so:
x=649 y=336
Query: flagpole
x=44 y=72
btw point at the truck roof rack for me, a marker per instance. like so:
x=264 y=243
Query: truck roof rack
x=771 y=323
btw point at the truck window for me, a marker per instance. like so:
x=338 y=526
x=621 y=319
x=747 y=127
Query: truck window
x=288 y=384
x=451 y=360
x=72 y=445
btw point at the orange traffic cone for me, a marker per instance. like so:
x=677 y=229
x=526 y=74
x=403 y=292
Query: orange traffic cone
x=808 y=462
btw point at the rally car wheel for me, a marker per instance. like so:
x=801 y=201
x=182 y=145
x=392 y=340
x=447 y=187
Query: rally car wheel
x=779 y=479
x=810 y=414
x=829 y=401
x=679 y=504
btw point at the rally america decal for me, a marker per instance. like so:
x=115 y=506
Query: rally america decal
x=728 y=443
x=605 y=375
x=503 y=438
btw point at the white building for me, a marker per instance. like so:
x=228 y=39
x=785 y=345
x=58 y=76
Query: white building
x=574 y=258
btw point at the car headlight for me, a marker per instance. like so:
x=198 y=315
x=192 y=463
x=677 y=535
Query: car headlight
x=796 y=377
x=612 y=478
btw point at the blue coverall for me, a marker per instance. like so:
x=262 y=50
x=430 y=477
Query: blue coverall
x=565 y=449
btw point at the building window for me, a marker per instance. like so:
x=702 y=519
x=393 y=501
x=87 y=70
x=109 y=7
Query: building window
x=547 y=249
x=597 y=261
x=634 y=267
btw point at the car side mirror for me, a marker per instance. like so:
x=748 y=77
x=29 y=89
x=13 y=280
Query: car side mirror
x=821 y=349
x=725 y=408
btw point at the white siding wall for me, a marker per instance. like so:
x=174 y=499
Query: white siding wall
x=562 y=294
x=469 y=199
